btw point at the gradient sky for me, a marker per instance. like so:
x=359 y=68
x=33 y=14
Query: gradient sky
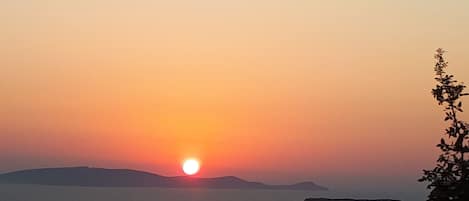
x=279 y=91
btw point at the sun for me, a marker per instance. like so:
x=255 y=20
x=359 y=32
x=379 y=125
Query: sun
x=191 y=166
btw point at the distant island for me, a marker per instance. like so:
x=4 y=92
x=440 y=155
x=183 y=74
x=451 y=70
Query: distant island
x=326 y=199
x=101 y=177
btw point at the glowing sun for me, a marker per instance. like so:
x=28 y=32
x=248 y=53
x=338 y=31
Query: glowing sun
x=190 y=166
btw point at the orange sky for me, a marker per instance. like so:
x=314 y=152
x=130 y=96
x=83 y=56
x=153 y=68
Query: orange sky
x=270 y=90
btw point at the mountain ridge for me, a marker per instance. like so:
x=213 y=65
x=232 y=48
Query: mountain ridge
x=105 y=177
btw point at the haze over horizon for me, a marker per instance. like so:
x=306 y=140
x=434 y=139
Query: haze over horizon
x=336 y=92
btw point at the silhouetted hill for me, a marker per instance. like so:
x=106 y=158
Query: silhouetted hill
x=100 y=177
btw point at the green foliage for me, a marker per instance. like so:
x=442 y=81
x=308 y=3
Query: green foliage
x=449 y=180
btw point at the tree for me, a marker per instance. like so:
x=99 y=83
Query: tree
x=449 y=180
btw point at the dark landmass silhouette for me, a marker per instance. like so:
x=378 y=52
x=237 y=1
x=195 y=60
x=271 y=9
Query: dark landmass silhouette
x=101 y=177
x=326 y=199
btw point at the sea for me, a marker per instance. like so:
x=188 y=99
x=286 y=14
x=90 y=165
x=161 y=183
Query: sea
x=21 y=192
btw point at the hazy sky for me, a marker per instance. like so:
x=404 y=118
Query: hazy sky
x=332 y=91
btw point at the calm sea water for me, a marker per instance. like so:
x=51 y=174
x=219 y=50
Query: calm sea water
x=59 y=193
